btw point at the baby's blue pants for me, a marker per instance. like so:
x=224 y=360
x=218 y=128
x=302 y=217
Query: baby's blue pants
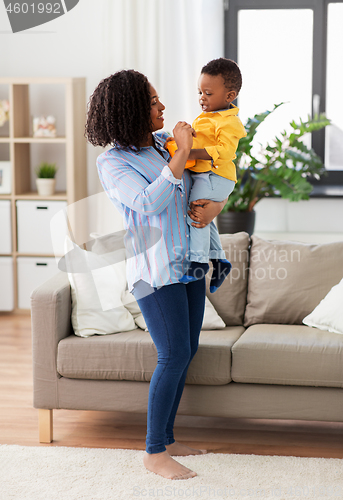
x=205 y=242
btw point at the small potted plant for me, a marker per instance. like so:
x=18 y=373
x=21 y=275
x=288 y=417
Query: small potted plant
x=46 y=178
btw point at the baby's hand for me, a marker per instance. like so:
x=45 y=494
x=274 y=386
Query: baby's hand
x=168 y=140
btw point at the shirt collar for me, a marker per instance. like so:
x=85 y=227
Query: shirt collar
x=224 y=112
x=159 y=142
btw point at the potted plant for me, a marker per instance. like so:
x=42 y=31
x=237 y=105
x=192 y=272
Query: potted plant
x=281 y=168
x=46 y=178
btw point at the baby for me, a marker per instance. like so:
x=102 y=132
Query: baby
x=218 y=131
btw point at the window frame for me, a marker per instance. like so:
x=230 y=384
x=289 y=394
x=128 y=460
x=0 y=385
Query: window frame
x=332 y=183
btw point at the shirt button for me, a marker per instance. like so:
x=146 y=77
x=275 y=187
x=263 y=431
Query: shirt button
x=184 y=216
x=187 y=235
x=181 y=195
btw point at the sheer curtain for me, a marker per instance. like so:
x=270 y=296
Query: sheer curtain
x=169 y=41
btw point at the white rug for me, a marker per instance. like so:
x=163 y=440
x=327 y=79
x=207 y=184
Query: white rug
x=60 y=473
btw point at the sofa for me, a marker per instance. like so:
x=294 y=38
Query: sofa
x=263 y=363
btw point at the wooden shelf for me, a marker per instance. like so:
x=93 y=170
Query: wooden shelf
x=34 y=196
x=40 y=80
x=38 y=256
x=23 y=149
x=40 y=140
x=63 y=196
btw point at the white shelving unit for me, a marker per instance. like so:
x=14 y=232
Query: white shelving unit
x=64 y=98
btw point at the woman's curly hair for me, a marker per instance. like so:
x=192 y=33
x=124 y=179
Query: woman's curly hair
x=226 y=68
x=119 y=111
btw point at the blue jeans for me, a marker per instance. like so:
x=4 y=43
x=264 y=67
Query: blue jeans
x=174 y=315
x=205 y=242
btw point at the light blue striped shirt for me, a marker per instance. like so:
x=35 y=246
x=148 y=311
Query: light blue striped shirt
x=154 y=207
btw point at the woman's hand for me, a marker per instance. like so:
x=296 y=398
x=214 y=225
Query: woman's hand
x=183 y=135
x=202 y=212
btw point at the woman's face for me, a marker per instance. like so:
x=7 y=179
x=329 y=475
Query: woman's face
x=156 y=112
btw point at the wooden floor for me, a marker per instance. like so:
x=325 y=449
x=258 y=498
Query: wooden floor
x=19 y=420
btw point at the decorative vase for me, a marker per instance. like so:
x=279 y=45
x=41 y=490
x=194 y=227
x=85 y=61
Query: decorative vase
x=234 y=222
x=45 y=187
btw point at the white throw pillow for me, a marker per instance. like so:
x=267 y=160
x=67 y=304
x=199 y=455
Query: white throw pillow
x=97 y=290
x=212 y=320
x=111 y=246
x=328 y=314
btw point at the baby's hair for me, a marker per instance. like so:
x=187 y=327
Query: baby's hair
x=119 y=111
x=228 y=69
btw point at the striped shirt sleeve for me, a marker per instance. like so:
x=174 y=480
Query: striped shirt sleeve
x=124 y=183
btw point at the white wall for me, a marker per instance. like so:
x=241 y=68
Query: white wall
x=317 y=220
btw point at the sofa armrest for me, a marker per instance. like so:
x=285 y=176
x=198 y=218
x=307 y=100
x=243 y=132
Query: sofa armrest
x=50 y=322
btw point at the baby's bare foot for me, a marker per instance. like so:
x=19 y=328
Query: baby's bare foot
x=164 y=465
x=182 y=450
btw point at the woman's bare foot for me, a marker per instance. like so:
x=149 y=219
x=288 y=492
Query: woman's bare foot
x=182 y=450
x=164 y=465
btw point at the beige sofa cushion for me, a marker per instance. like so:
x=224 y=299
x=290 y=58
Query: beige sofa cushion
x=288 y=355
x=230 y=299
x=132 y=356
x=287 y=280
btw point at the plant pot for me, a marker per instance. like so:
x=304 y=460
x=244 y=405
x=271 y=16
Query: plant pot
x=45 y=187
x=235 y=222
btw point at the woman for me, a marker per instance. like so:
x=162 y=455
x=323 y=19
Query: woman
x=151 y=192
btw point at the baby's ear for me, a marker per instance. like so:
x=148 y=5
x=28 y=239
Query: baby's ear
x=231 y=96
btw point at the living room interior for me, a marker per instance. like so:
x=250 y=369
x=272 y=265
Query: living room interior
x=288 y=52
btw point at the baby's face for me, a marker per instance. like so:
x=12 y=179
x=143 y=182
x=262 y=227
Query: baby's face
x=213 y=95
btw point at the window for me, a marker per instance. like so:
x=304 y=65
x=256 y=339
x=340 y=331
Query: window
x=290 y=51
x=334 y=86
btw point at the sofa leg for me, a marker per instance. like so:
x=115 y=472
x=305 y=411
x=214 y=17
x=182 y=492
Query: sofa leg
x=45 y=426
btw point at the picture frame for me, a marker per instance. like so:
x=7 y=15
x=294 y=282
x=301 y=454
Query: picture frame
x=44 y=126
x=5 y=177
